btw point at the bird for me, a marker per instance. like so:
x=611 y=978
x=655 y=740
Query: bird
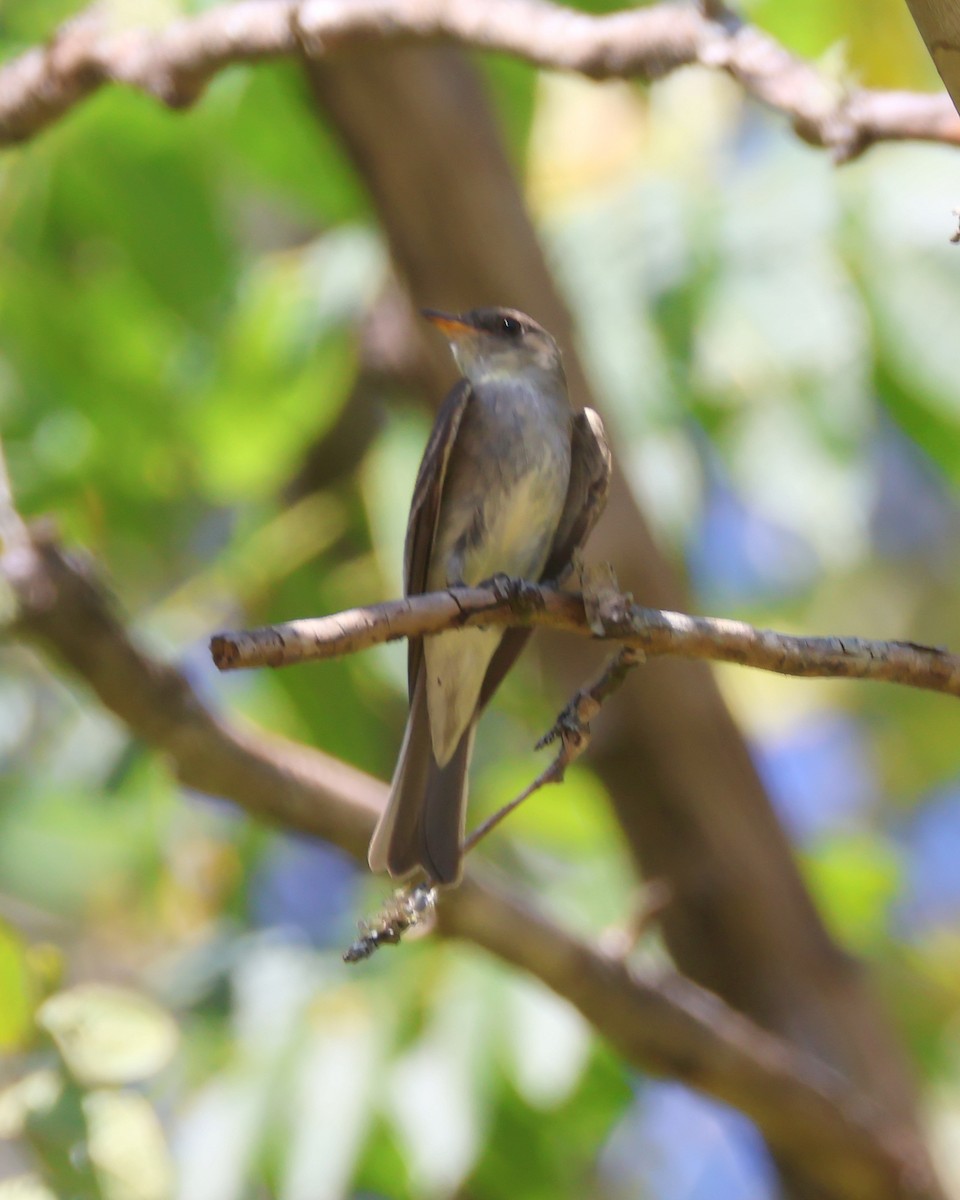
x=511 y=483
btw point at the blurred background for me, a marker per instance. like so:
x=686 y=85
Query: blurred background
x=211 y=380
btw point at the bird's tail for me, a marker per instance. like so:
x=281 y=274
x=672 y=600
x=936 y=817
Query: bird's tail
x=423 y=823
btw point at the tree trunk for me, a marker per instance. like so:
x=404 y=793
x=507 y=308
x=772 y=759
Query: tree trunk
x=939 y=25
x=418 y=127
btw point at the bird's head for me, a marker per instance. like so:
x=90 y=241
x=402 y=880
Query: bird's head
x=490 y=343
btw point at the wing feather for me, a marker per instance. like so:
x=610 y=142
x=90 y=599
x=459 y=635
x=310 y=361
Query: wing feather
x=425 y=508
x=590 y=469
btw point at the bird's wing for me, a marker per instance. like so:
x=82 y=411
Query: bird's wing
x=590 y=469
x=425 y=508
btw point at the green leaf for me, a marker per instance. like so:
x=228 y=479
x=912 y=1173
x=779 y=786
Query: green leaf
x=855 y=877
x=17 y=990
x=302 y=176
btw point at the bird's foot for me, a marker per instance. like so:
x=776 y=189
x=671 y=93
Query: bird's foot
x=522 y=596
x=572 y=726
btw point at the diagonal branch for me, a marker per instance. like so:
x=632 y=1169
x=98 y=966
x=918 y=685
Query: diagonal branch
x=667 y=1025
x=651 y=630
x=571 y=731
x=175 y=63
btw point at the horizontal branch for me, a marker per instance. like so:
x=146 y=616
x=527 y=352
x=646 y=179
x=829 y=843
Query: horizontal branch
x=616 y=618
x=666 y=1025
x=175 y=63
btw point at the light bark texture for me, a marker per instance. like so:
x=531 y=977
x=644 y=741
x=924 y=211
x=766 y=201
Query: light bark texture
x=616 y=618
x=175 y=63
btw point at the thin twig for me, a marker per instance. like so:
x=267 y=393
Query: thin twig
x=410 y=907
x=653 y=898
x=175 y=63
x=654 y=631
x=572 y=730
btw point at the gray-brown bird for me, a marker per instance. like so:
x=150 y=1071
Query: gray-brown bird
x=511 y=483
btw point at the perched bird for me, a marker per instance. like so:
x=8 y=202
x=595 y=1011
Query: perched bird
x=511 y=483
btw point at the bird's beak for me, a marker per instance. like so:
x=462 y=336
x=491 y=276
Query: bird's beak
x=449 y=324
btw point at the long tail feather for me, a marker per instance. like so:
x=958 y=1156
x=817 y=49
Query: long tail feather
x=444 y=814
x=422 y=824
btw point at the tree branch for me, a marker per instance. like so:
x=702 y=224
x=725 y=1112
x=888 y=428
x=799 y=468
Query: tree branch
x=808 y=1114
x=651 y=630
x=175 y=63
x=669 y=1026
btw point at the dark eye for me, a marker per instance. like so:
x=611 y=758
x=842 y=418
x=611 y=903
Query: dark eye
x=511 y=327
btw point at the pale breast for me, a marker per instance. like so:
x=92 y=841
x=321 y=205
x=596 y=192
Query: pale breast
x=519 y=524
x=506 y=485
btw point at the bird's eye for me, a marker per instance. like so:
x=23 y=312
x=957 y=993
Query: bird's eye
x=511 y=327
